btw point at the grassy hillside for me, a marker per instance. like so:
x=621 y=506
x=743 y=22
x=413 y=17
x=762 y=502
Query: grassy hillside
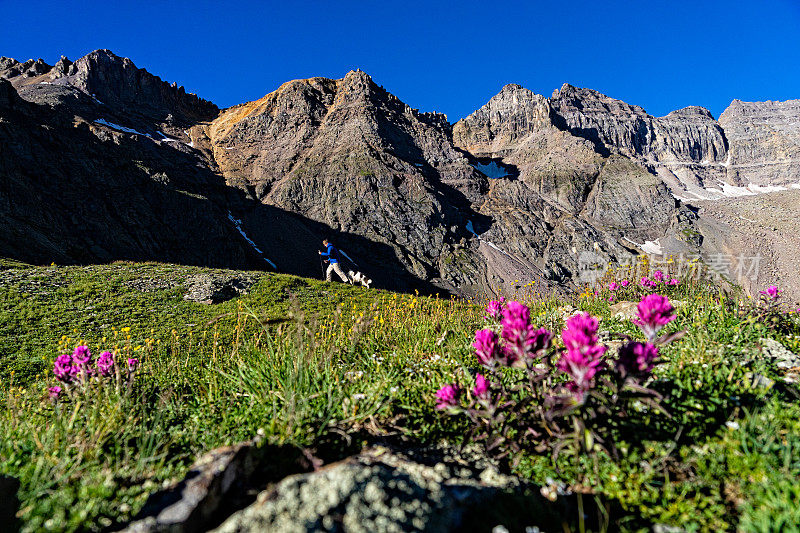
x=303 y=362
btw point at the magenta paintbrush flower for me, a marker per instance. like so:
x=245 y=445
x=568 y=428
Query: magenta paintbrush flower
x=636 y=358
x=133 y=364
x=494 y=310
x=64 y=370
x=54 y=392
x=81 y=355
x=447 y=396
x=772 y=291
x=105 y=364
x=481 y=389
x=625 y=283
x=654 y=312
x=486 y=347
x=658 y=275
x=613 y=286
x=516 y=311
x=584 y=357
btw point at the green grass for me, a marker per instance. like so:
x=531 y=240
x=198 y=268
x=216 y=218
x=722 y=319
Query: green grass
x=300 y=360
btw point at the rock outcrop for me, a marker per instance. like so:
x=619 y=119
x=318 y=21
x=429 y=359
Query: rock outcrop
x=383 y=490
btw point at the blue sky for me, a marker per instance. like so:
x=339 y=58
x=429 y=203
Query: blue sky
x=449 y=57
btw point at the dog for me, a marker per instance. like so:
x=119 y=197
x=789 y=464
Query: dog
x=359 y=277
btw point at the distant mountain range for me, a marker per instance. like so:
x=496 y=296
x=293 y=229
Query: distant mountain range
x=102 y=161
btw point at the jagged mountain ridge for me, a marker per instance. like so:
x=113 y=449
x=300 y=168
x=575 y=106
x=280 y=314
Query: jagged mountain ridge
x=404 y=191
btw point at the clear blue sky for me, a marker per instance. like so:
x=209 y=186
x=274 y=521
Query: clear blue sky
x=437 y=56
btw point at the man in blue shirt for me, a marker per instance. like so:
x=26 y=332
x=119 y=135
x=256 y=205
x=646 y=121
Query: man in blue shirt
x=332 y=254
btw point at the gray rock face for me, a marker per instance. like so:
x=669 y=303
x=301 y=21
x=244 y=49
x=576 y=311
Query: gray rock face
x=499 y=126
x=689 y=135
x=764 y=142
x=71 y=192
x=604 y=120
x=190 y=504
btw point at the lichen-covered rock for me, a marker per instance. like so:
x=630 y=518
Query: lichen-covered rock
x=379 y=490
x=217 y=288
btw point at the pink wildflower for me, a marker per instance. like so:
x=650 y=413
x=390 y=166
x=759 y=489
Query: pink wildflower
x=105 y=363
x=81 y=355
x=447 y=396
x=772 y=291
x=636 y=358
x=584 y=356
x=494 y=310
x=481 y=389
x=658 y=275
x=673 y=281
x=486 y=348
x=644 y=282
x=133 y=364
x=613 y=286
x=625 y=283
x=654 y=312
x=64 y=370
x=54 y=392
x=516 y=311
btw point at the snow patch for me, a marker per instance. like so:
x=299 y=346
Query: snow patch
x=652 y=247
x=649 y=247
x=765 y=188
x=491 y=170
x=166 y=139
x=104 y=122
x=238 y=225
x=733 y=191
x=190 y=144
x=471 y=229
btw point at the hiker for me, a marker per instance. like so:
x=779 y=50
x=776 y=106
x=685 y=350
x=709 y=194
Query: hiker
x=333 y=258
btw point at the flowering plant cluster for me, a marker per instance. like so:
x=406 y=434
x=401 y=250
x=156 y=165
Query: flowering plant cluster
x=773 y=311
x=659 y=281
x=532 y=395
x=78 y=370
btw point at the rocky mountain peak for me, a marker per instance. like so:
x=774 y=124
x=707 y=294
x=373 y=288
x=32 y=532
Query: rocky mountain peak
x=118 y=82
x=502 y=122
x=689 y=112
x=113 y=80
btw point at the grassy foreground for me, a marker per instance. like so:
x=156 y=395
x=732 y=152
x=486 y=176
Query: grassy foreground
x=298 y=360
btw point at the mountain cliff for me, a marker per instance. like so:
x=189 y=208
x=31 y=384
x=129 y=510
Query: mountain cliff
x=764 y=142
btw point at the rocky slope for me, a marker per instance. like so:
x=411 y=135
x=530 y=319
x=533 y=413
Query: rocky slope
x=101 y=160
